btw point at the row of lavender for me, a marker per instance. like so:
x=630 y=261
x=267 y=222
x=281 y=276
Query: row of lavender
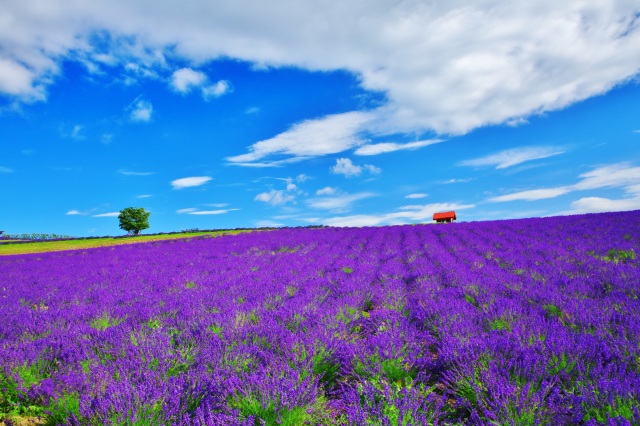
x=511 y=322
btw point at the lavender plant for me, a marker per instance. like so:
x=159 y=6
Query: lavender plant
x=517 y=322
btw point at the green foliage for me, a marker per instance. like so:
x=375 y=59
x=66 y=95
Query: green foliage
x=500 y=324
x=469 y=298
x=133 y=219
x=216 y=329
x=15 y=404
x=265 y=412
x=616 y=407
x=615 y=255
x=326 y=367
x=552 y=311
x=105 y=321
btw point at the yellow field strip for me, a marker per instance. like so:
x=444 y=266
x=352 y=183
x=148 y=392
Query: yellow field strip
x=46 y=246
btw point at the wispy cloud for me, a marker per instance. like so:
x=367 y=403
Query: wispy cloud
x=140 y=110
x=311 y=138
x=77 y=132
x=512 y=157
x=143 y=196
x=383 y=148
x=344 y=166
x=599 y=204
x=130 y=173
x=457 y=181
x=74 y=213
x=338 y=203
x=195 y=211
x=620 y=175
x=532 y=195
x=268 y=224
x=189 y=182
x=111 y=214
x=327 y=190
x=5 y=170
x=416 y=196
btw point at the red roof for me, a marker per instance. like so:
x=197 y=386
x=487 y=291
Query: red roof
x=444 y=215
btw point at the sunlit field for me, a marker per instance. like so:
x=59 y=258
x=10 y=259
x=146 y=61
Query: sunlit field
x=533 y=321
x=8 y=246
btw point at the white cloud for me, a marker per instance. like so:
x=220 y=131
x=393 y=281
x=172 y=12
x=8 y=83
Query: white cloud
x=140 y=110
x=372 y=169
x=195 y=211
x=620 y=175
x=615 y=175
x=5 y=170
x=382 y=148
x=327 y=190
x=598 y=205
x=76 y=132
x=407 y=214
x=185 y=79
x=144 y=196
x=112 y=214
x=415 y=196
x=496 y=61
x=268 y=224
x=340 y=202
x=213 y=212
x=18 y=80
x=189 y=182
x=344 y=166
x=532 y=195
x=311 y=138
x=74 y=212
x=221 y=88
x=512 y=157
x=129 y=173
x=275 y=197
x=457 y=181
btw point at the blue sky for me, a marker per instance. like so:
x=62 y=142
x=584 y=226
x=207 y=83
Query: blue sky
x=359 y=113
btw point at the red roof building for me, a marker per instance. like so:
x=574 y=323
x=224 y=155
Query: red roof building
x=444 y=217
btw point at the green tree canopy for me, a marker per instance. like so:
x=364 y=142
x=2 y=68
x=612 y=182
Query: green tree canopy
x=134 y=219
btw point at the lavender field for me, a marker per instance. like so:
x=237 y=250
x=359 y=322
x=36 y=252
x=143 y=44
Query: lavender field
x=519 y=322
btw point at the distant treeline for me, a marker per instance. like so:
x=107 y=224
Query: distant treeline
x=34 y=237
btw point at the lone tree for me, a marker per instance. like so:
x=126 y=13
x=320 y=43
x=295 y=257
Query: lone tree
x=133 y=219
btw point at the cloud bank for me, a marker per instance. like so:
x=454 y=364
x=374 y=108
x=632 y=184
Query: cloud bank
x=449 y=67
